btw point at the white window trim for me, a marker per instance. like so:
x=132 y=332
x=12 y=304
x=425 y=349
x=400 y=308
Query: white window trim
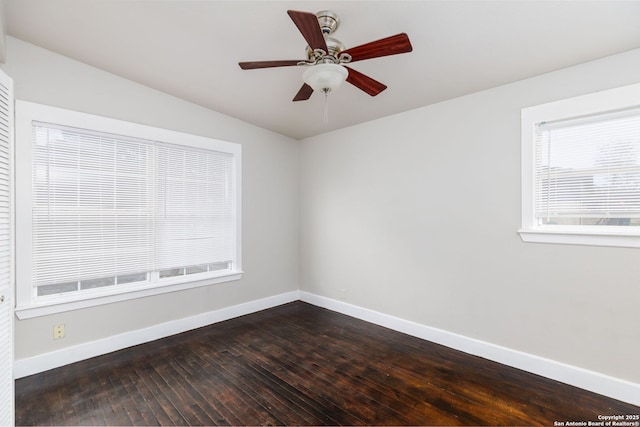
x=26 y=113
x=595 y=103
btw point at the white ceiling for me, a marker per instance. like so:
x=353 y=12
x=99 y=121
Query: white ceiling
x=190 y=49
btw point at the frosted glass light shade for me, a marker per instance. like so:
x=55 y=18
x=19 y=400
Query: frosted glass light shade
x=325 y=77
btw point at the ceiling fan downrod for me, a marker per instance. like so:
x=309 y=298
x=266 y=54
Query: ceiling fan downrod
x=328 y=22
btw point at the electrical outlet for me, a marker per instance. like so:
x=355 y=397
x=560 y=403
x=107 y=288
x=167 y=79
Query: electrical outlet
x=58 y=332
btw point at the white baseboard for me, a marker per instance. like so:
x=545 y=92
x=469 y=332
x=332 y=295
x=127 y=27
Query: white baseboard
x=43 y=362
x=616 y=388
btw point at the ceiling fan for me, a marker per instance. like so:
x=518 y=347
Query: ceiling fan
x=325 y=56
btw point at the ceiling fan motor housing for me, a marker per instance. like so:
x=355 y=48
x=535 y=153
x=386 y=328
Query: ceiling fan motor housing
x=334 y=46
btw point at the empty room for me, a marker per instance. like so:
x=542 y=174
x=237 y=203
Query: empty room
x=320 y=213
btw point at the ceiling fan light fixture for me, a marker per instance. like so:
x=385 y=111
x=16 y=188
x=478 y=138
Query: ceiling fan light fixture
x=325 y=77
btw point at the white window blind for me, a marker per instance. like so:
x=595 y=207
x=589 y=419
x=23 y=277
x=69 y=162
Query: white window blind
x=111 y=210
x=587 y=170
x=194 y=220
x=92 y=210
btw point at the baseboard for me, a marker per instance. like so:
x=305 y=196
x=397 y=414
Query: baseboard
x=616 y=388
x=43 y=362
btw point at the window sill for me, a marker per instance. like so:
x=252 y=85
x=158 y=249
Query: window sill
x=52 y=307
x=616 y=238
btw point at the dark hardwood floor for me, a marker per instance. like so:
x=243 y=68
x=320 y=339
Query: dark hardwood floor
x=299 y=365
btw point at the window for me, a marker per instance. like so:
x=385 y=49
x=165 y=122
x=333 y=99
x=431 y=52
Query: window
x=113 y=210
x=581 y=170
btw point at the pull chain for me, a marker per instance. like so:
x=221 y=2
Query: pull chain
x=326 y=107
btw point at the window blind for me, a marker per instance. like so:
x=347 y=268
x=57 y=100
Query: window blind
x=92 y=209
x=194 y=205
x=588 y=170
x=110 y=209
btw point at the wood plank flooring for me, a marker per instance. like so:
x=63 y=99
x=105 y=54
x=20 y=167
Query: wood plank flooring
x=299 y=365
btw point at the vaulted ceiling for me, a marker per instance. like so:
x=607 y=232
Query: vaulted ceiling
x=191 y=49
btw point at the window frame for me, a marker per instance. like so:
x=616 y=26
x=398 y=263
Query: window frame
x=27 y=306
x=602 y=102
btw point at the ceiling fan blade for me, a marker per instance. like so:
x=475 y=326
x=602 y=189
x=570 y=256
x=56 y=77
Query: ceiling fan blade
x=252 y=65
x=304 y=93
x=365 y=83
x=308 y=25
x=392 y=45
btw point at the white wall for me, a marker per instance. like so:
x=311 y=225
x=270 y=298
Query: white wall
x=270 y=196
x=415 y=216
